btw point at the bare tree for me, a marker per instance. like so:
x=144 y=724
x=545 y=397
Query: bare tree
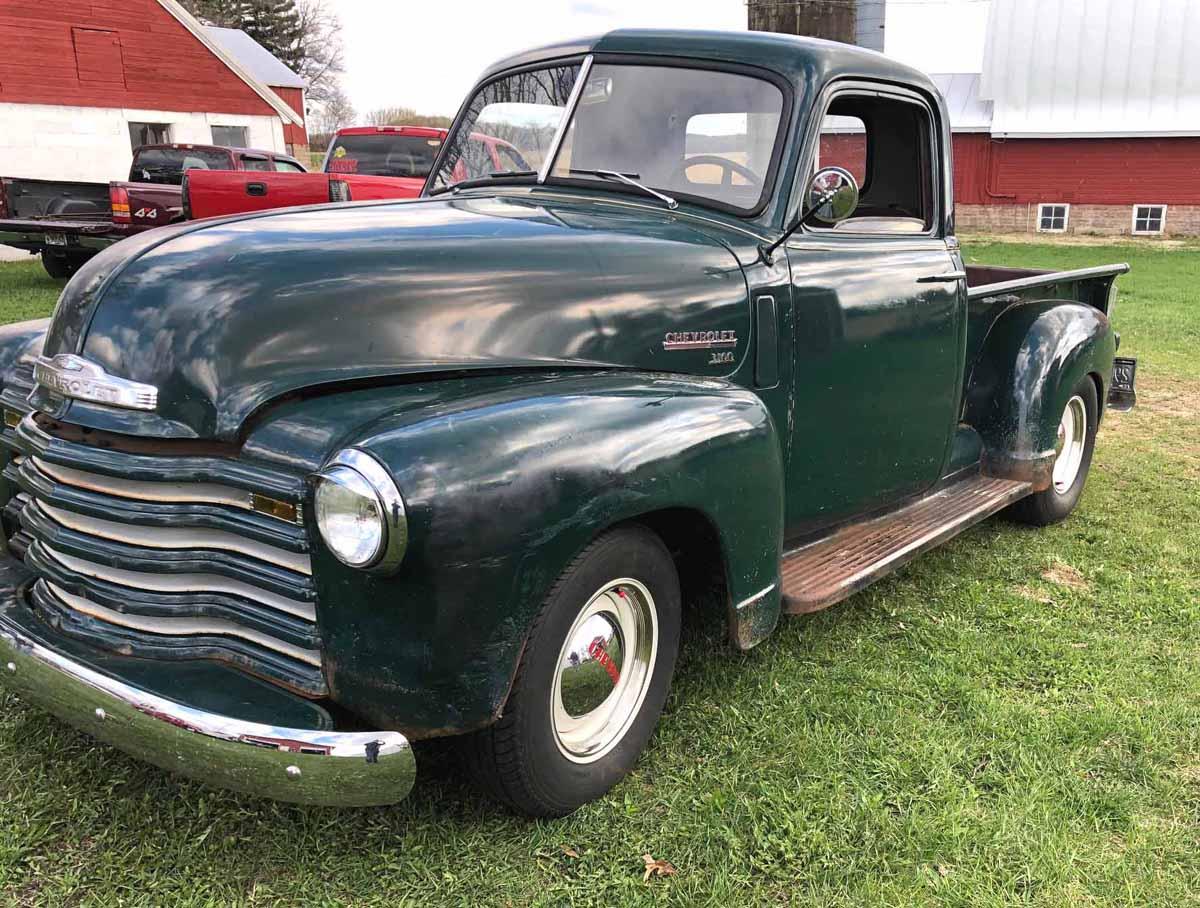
x=406 y=116
x=328 y=116
x=321 y=55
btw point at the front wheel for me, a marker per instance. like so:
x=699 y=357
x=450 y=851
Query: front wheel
x=592 y=680
x=1073 y=456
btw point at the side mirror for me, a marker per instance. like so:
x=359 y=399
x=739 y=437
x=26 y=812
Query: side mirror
x=832 y=194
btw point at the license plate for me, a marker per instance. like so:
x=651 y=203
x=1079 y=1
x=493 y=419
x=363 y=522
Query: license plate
x=56 y=239
x=1122 y=395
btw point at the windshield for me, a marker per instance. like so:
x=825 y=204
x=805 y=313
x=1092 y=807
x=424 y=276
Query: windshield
x=703 y=133
x=384 y=155
x=167 y=165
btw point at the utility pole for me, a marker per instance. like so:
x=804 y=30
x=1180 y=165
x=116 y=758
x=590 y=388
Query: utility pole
x=850 y=21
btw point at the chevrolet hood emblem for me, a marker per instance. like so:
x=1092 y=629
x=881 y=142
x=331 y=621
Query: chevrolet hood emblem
x=73 y=376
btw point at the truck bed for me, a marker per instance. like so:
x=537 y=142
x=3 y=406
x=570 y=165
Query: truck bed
x=992 y=290
x=41 y=200
x=990 y=280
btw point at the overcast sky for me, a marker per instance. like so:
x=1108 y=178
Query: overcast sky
x=426 y=54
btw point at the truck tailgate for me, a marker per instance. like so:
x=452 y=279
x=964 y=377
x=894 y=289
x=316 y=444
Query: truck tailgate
x=64 y=227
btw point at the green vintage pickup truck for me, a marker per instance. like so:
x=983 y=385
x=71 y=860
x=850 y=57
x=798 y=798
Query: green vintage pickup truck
x=286 y=492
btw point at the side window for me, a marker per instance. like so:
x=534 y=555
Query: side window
x=288 y=166
x=887 y=144
x=255 y=164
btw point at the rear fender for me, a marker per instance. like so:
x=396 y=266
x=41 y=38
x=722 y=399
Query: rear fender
x=502 y=491
x=1031 y=360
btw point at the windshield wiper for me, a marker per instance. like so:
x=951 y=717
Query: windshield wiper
x=482 y=181
x=629 y=179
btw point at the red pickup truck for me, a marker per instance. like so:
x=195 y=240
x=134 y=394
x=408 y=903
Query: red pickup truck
x=363 y=162
x=69 y=222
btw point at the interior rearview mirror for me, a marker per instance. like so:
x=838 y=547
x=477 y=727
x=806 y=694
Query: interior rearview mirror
x=832 y=194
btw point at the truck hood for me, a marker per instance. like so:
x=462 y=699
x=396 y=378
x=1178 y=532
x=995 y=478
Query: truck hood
x=228 y=316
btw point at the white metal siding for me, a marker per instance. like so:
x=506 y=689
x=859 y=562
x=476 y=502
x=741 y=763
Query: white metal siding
x=1095 y=68
x=968 y=112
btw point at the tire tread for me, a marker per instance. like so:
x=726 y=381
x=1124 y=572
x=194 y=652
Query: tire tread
x=494 y=755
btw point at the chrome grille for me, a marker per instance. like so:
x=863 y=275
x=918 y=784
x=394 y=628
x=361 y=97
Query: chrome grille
x=168 y=568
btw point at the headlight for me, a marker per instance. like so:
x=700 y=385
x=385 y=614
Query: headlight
x=360 y=513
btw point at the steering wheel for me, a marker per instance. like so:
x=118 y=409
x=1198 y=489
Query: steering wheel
x=728 y=169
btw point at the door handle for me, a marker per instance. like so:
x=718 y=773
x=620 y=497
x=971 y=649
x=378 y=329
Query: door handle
x=256 y=189
x=944 y=277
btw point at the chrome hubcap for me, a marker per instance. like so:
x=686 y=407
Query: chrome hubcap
x=604 y=670
x=1068 y=449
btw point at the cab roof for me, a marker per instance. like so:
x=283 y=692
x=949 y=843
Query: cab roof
x=798 y=60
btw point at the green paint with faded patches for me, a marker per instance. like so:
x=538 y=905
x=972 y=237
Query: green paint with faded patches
x=501 y=350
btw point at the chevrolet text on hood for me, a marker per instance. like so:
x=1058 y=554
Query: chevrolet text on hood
x=284 y=493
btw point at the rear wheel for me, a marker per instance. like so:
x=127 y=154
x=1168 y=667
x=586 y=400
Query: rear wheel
x=592 y=680
x=1073 y=456
x=61 y=266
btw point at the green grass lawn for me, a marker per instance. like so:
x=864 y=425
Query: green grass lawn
x=26 y=291
x=1013 y=720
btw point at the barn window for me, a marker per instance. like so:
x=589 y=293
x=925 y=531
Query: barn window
x=1053 y=218
x=149 y=134
x=230 y=136
x=1149 y=219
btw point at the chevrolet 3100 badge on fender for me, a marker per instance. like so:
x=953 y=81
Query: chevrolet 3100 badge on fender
x=286 y=492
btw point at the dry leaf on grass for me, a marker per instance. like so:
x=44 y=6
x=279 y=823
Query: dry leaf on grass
x=657 y=868
x=568 y=851
x=943 y=870
x=1034 y=595
x=1062 y=574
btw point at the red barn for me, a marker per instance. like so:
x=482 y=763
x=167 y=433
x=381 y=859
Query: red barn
x=1068 y=116
x=83 y=82
x=1094 y=120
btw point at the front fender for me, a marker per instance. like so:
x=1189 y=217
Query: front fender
x=20 y=339
x=502 y=490
x=20 y=344
x=1031 y=360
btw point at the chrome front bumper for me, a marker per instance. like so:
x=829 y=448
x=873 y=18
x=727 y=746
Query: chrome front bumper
x=346 y=769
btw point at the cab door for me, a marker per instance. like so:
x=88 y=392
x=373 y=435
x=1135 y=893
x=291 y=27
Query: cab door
x=878 y=316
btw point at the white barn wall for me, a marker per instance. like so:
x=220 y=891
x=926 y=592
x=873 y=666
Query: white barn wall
x=92 y=143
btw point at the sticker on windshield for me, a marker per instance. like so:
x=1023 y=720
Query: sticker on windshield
x=339 y=163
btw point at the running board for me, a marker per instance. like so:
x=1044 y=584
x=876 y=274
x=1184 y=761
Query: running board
x=829 y=570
